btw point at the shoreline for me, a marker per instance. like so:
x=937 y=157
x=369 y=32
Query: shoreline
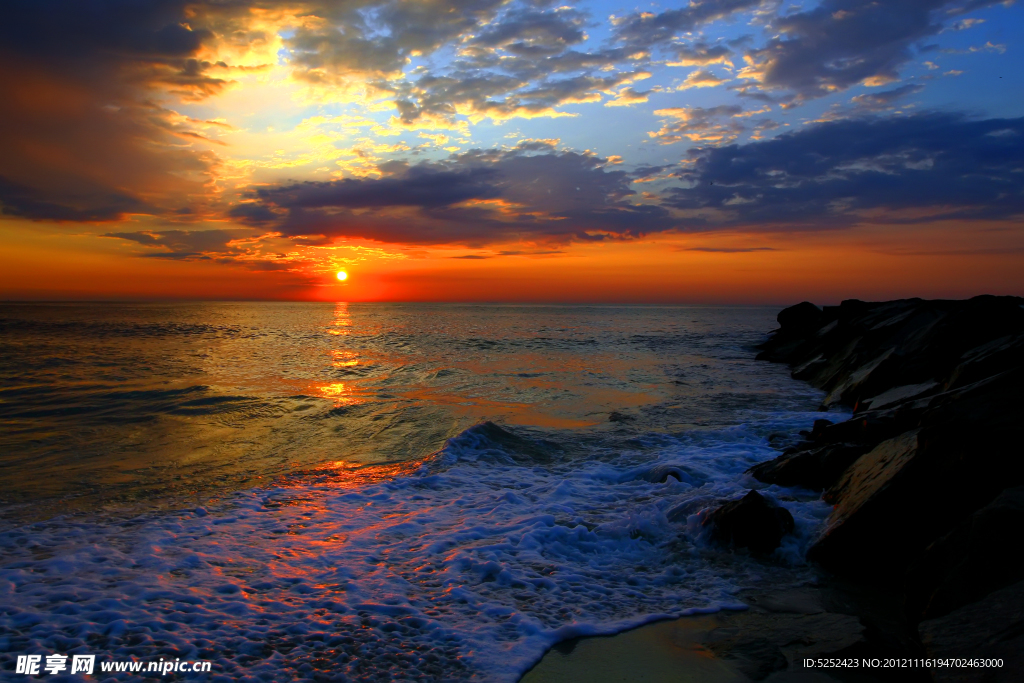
x=927 y=493
x=766 y=642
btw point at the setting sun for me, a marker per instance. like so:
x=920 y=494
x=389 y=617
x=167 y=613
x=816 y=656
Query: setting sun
x=342 y=275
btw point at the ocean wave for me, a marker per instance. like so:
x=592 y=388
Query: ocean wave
x=465 y=565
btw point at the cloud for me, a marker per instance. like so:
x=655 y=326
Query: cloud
x=378 y=38
x=728 y=250
x=886 y=98
x=501 y=97
x=700 y=54
x=88 y=203
x=511 y=60
x=841 y=43
x=532 y=33
x=185 y=244
x=424 y=186
x=699 y=124
x=627 y=97
x=475 y=198
x=872 y=103
x=537 y=144
x=901 y=169
x=965 y=24
x=239 y=247
x=645 y=29
x=701 y=78
x=84 y=139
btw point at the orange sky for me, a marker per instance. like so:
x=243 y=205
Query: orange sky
x=501 y=150
x=876 y=263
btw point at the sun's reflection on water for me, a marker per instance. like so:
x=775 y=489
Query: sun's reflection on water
x=341 y=320
x=342 y=393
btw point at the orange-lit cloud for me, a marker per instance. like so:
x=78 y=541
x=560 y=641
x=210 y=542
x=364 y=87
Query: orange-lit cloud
x=438 y=147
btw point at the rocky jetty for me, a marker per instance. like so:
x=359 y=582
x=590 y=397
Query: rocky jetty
x=926 y=478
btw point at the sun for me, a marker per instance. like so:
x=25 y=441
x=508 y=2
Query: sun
x=342 y=275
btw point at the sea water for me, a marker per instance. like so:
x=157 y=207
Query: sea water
x=377 y=491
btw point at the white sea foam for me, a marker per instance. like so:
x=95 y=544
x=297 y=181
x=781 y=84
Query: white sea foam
x=468 y=566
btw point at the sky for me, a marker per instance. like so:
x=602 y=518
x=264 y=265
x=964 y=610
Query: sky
x=724 y=151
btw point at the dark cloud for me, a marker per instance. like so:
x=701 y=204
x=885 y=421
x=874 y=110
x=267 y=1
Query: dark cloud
x=100 y=204
x=238 y=247
x=424 y=186
x=476 y=198
x=185 y=244
x=64 y=30
x=82 y=139
x=328 y=54
x=252 y=213
x=700 y=54
x=841 y=43
x=908 y=168
x=380 y=37
x=533 y=33
x=645 y=29
x=872 y=103
x=885 y=98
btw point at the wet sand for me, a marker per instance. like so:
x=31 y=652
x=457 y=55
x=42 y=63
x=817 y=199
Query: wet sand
x=766 y=642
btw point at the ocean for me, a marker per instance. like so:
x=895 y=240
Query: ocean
x=377 y=491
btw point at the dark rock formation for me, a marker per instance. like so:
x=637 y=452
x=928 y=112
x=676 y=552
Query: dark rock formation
x=935 y=391
x=816 y=468
x=917 y=475
x=980 y=555
x=914 y=488
x=750 y=522
x=858 y=351
x=991 y=628
x=803 y=316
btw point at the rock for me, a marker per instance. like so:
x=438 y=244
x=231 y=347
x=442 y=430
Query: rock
x=869 y=476
x=988 y=629
x=992 y=358
x=910 y=490
x=978 y=556
x=815 y=469
x=926 y=478
x=616 y=416
x=802 y=316
x=659 y=474
x=750 y=522
x=897 y=395
x=817 y=430
x=860 y=350
x=855 y=535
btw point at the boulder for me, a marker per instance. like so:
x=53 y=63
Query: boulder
x=817 y=430
x=750 y=522
x=802 y=316
x=987 y=629
x=816 y=468
x=980 y=555
x=912 y=489
x=865 y=503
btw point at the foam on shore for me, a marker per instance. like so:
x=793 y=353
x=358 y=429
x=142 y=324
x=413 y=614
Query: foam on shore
x=468 y=565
